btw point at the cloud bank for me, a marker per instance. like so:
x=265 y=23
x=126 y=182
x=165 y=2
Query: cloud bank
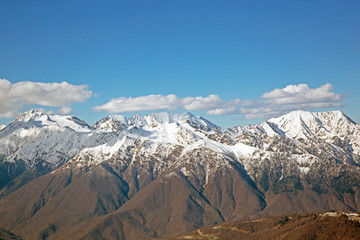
x=273 y=103
x=294 y=97
x=13 y=96
x=161 y=102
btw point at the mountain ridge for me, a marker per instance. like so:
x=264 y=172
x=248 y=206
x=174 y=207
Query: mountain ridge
x=223 y=175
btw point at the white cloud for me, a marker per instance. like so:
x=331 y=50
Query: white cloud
x=202 y=103
x=62 y=111
x=15 y=95
x=143 y=103
x=290 y=98
x=273 y=103
x=210 y=103
x=302 y=93
x=65 y=110
x=294 y=97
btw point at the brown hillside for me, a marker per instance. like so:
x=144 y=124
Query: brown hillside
x=166 y=207
x=7 y=235
x=92 y=194
x=310 y=226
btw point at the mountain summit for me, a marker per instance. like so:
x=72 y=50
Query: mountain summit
x=166 y=174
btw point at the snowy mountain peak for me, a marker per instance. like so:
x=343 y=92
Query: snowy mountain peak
x=293 y=117
x=302 y=124
x=308 y=118
x=31 y=114
x=196 y=122
x=2 y=127
x=154 y=119
x=334 y=117
x=161 y=117
x=55 y=139
x=328 y=126
x=35 y=136
x=112 y=123
x=137 y=120
x=38 y=119
x=295 y=124
x=118 y=122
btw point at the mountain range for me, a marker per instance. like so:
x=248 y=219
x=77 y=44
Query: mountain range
x=163 y=174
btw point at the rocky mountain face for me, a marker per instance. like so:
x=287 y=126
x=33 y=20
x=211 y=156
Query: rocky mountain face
x=166 y=174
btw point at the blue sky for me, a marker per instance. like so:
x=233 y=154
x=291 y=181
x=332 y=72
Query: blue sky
x=219 y=59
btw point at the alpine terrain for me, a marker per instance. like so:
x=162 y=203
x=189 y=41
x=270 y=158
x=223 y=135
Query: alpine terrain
x=163 y=175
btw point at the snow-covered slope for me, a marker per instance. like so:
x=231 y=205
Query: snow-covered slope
x=293 y=144
x=333 y=127
x=2 y=127
x=119 y=122
x=154 y=136
x=301 y=147
x=35 y=136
